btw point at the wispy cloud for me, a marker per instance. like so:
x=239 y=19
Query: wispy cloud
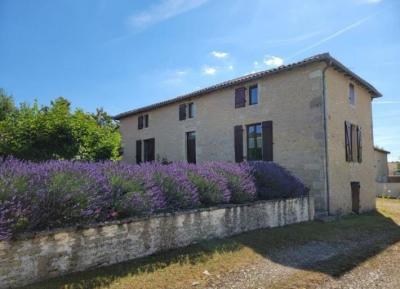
x=272 y=61
x=175 y=77
x=333 y=35
x=162 y=11
x=292 y=40
x=387 y=102
x=209 y=70
x=368 y=1
x=220 y=54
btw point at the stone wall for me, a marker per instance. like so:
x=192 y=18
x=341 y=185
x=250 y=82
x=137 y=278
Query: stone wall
x=40 y=256
x=292 y=100
x=388 y=190
x=341 y=172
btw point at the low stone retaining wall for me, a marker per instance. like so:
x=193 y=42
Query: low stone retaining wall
x=40 y=256
x=388 y=190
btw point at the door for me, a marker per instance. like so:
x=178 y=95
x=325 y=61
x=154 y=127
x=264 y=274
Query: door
x=149 y=150
x=191 y=147
x=355 y=197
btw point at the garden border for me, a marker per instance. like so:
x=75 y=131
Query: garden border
x=32 y=257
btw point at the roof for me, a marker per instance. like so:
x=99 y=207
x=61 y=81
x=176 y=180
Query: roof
x=381 y=150
x=316 y=58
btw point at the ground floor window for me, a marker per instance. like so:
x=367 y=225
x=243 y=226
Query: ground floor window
x=191 y=147
x=149 y=150
x=254 y=142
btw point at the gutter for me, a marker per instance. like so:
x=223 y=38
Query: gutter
x=328 y=64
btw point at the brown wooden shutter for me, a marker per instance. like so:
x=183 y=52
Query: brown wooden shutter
x=347 y=140
x=240 y=97
x=267 y=141
x=138 y=151
x=353 y=143
x=140 y=122
x=359 y=145
x=182 y=111
x=238 y=141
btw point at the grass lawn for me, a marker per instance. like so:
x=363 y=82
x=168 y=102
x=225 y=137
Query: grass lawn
x=346 y=244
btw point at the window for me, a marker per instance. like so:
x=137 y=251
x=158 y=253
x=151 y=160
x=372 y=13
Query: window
x=254 y=142
x=187 y=110
x=149 y=150
x=182 y=111
x=352 y=95
x=253 y=95
x=138 y=151
x=143 y=121
x=240 y=97
x=353 y=142
x=191 y=147
x=192 y=110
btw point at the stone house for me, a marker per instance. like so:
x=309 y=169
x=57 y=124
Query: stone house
x=381 y=165
x=313 y=117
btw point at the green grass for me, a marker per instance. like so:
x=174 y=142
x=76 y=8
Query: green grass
x=179 y=268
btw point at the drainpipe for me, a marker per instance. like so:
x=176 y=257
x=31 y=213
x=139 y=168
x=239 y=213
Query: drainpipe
x=328 y=63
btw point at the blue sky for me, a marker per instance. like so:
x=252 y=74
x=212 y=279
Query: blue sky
x=125 y=54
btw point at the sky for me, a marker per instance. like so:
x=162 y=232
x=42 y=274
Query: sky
x=122 y=55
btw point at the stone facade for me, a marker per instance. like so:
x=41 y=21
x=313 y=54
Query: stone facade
x=292 y=100
x=341 y=172
x=307 y=104
x=49 y=254
x=381 y=166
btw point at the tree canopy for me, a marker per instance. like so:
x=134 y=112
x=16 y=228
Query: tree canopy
x=34 y=132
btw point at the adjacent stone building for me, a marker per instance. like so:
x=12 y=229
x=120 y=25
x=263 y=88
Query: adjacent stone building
x=381 y=165
x=313 y=117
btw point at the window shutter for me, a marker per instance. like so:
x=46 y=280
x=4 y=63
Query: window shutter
x=240 y=97
x=238 y=138
x=347 y=138
x=353 y=143
x=267 y=141
x=182 y=111
x=359 y=144
x=138 y=151
x=140 y=122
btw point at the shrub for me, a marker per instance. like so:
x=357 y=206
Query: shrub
x=273 y=181
x=52 y=194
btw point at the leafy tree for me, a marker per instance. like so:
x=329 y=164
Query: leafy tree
x=6 y=104
x=54 y=132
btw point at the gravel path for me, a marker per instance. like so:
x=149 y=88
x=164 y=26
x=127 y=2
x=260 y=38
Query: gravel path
x=308 y=266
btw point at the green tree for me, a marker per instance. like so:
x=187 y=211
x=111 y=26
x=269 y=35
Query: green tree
x=54 y=132
x=7 y=105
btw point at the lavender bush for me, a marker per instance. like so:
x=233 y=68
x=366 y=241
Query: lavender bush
x=273 y=181
x=52 y=194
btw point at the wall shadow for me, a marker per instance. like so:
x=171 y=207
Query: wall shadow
x=331 y=248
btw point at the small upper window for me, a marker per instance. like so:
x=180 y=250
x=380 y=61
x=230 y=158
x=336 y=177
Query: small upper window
x=191 y=110
x=253 y=95
x=143 y=121
x=352 y=95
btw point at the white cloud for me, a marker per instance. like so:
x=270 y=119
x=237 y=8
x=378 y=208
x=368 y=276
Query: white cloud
x=219 y=54
x=164 y=10
x=209 y=70
x=387 y=102
x=272 y=61
x=368 y=1
x=333 y=35
x=231 y=67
